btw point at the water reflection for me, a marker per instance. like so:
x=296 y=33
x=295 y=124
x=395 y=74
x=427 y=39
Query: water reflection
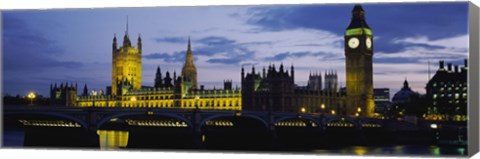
x=397 y=150
x=461 y=151
x=359 y=150
x=118 y=139
x=435 y=150
x=112 y=139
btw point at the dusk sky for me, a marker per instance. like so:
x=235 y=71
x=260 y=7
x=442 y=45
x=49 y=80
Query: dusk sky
x=41 y=47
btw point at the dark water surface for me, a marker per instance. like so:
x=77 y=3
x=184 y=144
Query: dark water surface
x=15 y=138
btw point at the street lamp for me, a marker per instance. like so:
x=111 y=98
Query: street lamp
x=303 y=110
x=196 y=101
x=31 y=96
x=359 y=110
x=333 y=112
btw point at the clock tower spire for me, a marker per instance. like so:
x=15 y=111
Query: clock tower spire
x=359 y=70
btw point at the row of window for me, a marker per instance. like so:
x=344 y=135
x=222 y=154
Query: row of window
x=212 y=103
x=457 y=96
x=147 y=98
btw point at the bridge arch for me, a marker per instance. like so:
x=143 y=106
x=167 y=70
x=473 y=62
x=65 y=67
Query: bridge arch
x=203 y=121
x=82 y=123
x=334 y=119
x=318 y=124
x=371 y=123
x=174 y=116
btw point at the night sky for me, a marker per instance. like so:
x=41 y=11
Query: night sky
x=41 y=47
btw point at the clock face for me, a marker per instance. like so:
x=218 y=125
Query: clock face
x=368 y=42
x=353 y=42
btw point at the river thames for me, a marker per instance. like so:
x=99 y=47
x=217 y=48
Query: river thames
x=16 y=139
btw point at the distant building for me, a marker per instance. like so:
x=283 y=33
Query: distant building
x=331 y=81
x=381 y=97
x=314 y=81
x=447 y=93
x=63 y=94
x=405 y=95
x=274 y=90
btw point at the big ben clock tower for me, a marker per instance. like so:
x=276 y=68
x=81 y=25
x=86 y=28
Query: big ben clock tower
x=359 y=52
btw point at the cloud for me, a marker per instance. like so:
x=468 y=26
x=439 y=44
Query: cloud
x=284 y=55
x=222 y=50
x=174 y=57
x=293 y=17
x=181 y=40
x=424 y=49
x=235 y=57
x=390 y=21
x=215 y=40
x=26 y=49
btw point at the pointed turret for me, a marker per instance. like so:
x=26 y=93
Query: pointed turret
x=189 y=47
x=139 y=44
x=158 y=78
x=114 y=44
x=281 y=67
x=242 y=75
x=85 y=90
x=263 y=72
x=126 y=39
x=174 y=77
x=168 y=80
x=405 y=85
x=358 y=18
x=292 y=71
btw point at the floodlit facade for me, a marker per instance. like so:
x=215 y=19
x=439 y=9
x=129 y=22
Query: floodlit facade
x=447 y=91
x=359 y=67
x=274 y=90
x=168 y=92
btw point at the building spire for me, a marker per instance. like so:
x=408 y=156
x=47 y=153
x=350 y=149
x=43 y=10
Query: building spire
x=189 y=71
x=358 y=18
x=405 y=84
x=189 y=46
x=126 y=31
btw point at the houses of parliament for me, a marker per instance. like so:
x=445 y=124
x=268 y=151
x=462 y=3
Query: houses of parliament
x=270 y=89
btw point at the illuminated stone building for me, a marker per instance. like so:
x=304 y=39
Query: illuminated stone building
x=359 y=52
x=272 y=91
x=382 y=99
x=275 y=91
x=447 y=93
x=63 y=95
x=168 y=91
x=331 y=81
x=126 y=65
x=314 y=81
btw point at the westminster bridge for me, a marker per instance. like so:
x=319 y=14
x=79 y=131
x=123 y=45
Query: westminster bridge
x=199 y=129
